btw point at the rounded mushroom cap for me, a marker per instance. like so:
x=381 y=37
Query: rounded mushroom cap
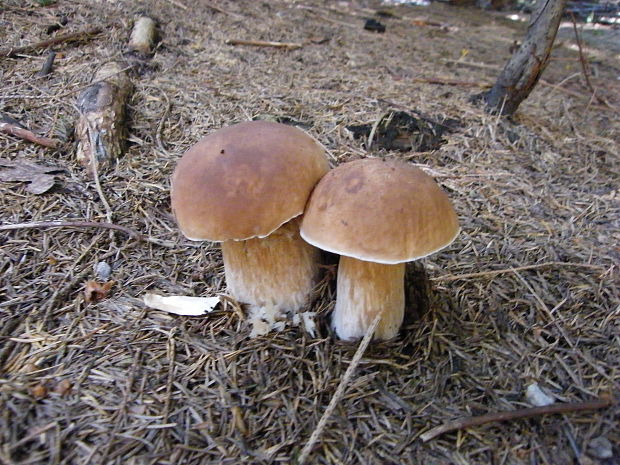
x=379 y=211
x=245 y=180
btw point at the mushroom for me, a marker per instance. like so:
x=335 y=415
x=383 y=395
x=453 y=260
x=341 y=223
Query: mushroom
x=377 y=215
x=245 y=186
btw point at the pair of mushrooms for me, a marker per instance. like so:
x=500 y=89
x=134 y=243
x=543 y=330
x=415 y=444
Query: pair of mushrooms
x=247 y=187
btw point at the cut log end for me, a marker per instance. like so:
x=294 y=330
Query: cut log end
x=142 y=36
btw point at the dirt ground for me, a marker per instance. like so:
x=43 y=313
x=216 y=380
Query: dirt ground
x=528 y=293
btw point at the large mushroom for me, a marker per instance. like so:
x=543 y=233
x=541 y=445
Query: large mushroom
x=377 y=215
x=245 y=186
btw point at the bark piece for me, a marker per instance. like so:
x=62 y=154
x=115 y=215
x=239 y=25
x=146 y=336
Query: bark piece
x=528 y=62
x=101 y=129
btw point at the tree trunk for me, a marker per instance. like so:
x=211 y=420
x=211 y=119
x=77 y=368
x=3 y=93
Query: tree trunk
x=526 y=65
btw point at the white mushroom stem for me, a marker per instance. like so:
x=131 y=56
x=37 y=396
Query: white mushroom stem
x=275 y=271
x=364 y=289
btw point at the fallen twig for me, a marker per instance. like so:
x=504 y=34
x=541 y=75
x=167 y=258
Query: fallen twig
x=451 y=82
x=469 y=422
x=264 y=43
x=86 y=224
x=584 y=66
x=26 y=134
x=481 y=274
x=71 y=37
x=348 y=374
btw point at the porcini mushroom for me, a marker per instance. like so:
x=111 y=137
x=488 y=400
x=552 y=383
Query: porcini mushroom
x=245 y=186
x=377 y=215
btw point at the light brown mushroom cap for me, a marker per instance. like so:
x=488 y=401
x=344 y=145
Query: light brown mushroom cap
x=379 y=211
x=245 y=181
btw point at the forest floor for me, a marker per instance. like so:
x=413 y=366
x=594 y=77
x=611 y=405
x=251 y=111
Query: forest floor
x=528 y=293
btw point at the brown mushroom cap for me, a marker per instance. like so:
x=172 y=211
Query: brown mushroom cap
x=246 y=180
x=379 y=211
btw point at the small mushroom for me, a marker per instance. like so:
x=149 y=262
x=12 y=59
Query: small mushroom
x=377 y=215
x=245 y=186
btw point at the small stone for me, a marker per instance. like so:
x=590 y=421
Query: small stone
x=537 y=397
x=103 y=270
x=600 y=448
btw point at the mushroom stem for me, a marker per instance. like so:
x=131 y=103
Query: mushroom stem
x=276 y=271
x=365 y=288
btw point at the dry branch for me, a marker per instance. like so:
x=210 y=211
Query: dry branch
x=85 y=224
x=12 y=52
x=25 y=134
x=340 y=390
x=263 y=43
x=100 y=129
x=450 y=82
x=469 y=422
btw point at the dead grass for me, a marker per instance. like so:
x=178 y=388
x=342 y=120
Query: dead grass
x=147 y=388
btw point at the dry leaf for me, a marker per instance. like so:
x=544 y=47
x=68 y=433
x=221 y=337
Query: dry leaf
x=39 y=391
x=94 y=291
x=37 y=176
x=181 y=304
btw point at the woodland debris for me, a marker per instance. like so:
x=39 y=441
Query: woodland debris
x=264 y=43
x=142 y=36
x=469 y=422
x=13 y=52
x=39 y=391
x=86 y=224
x=47 y=64
x=537 y=397
x=400 y=130
x=101 y=129
x=600 y=448
x=340 y=390
x=95 y=291
x=181 y=304
x=63 y=387
x=526 y=65
x=450 y=82
x=10 y=126
x=39 y=178
x=374 y=26
x=103 y=270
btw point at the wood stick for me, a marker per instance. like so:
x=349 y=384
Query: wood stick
x=450 y=82
x=26 y=134
x=340 y=390
x=11 y=52
x=86 y=224
x=584 y=66
x=468 y=422
x=481 y=274
x=264 y=43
